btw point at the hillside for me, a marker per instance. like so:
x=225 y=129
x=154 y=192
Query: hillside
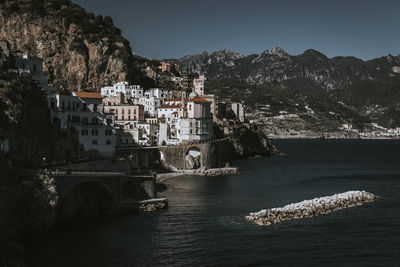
x=80 y=50
x=338 y=90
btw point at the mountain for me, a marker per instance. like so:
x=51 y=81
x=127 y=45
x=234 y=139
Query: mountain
x=80 y=50
x=369 y=91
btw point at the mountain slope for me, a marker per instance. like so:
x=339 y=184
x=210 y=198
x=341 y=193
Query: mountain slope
x=369 y=89
x=80 y=50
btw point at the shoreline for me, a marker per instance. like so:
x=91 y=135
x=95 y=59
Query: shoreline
x=162 y=177
x=330 y=138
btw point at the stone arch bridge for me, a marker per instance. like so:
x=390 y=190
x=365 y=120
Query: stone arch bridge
x=85 y=193
x=207 y=154
x=117 y=185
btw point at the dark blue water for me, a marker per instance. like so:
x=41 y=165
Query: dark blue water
x=204 y=224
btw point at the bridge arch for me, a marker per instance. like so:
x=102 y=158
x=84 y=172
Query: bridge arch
x=85 y=198
x=193 y=157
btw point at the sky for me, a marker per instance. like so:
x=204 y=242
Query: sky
x=174 y=28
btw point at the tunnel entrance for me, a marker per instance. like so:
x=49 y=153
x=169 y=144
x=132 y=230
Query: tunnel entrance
x=193 y=158
x=88 y=198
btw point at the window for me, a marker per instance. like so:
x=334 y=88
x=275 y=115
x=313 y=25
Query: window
x=108 y=132
x=94 y=121
x=108 y=142
x=95 y=132
x=85 y=120
x=94 y=142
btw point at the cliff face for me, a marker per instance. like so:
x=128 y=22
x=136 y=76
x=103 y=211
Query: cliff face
x=250 y=142
x=80 y=50
x=246 y=141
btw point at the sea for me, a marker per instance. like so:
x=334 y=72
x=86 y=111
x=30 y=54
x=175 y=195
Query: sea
x=205 y=224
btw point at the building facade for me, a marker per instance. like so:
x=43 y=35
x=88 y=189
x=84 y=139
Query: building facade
x=82 y=113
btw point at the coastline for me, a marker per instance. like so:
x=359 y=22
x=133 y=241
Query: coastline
x=332 y=138
x=162 y=177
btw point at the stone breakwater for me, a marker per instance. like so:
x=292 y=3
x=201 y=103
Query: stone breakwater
x=220 y=171
x=311 y=208
x=153 y=204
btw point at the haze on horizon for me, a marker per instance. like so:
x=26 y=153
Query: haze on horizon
x=172 y=29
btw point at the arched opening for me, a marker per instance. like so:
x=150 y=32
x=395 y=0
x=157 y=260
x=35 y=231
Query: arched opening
x=193 y=158
x=88 y=198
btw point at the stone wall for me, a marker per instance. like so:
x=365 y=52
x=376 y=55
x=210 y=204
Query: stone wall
x=212 y=155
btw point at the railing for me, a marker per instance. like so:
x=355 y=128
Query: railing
x=96 y=172
x=207 y=141
x=83 y=173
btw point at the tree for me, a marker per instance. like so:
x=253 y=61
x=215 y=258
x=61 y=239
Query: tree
x=99 y=20
x=174 y=70
x=108 y=20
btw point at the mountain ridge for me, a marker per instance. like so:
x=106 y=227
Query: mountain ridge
x=371 y=88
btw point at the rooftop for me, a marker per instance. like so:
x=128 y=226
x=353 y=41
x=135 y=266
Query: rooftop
x=198 y=100
x=170 y=106
x=88 y=95
x=175 y=99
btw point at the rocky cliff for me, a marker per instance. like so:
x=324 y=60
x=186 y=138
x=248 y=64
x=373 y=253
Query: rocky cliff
x=80 y=50
x=245 y=140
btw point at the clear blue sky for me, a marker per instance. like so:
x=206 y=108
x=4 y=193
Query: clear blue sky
x=175 y=28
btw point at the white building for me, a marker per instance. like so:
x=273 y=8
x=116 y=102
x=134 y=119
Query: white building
x=83 y=113
x=185 y=120
x=33 y=66
x=198 y=85
x=129 y=91
x=198 y=125
x=159 y=93
x=238 y=109
x=150 y=104
x=136 y=91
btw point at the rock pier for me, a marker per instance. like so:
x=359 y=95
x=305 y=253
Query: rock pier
x=311 y=208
